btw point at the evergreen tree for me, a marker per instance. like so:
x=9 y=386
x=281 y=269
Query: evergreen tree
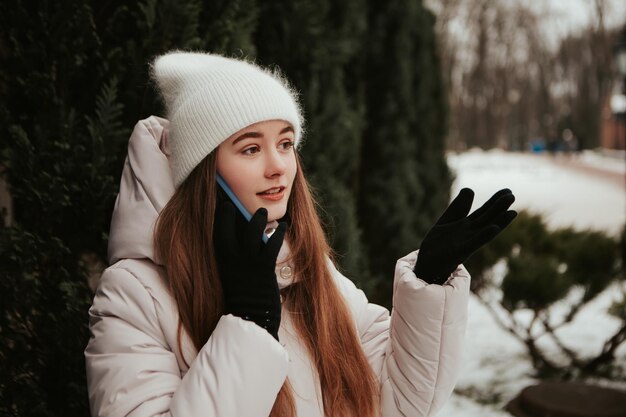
x=404 y=179
x=55 y=171
x=316 y=44
x=434 y=175
x=74 y=80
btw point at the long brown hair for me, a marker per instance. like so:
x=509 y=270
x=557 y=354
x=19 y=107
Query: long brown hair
x=183 y=239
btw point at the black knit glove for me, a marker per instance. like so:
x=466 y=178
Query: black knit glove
x=246 y=266
x=456 y=235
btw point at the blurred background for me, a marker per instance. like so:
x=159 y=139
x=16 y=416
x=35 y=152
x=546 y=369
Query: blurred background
x=406 y=102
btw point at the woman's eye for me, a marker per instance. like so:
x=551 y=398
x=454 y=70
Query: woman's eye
x=286 y=145
x=251 y=150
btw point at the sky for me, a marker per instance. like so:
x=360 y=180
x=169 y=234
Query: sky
x=566 y=16
x=562 y=17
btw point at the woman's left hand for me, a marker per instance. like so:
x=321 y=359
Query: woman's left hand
x=456 y=235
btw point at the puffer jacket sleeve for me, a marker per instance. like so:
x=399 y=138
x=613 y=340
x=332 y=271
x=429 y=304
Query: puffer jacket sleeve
x=417 y=352
x=132 y=372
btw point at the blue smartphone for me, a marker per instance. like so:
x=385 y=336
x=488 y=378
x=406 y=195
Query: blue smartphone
x=236 y=202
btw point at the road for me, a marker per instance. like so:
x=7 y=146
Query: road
x=584 y=192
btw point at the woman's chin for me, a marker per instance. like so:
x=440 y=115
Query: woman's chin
x=275 y=214
x=275 y=210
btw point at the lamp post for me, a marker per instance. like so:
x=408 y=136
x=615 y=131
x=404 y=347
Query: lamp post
x=620 y=61
x=620 y=58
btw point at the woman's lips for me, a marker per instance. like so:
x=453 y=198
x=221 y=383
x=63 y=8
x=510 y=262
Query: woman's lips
x=272 y=194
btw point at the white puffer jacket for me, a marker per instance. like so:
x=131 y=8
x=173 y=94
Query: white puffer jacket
x=135 y=366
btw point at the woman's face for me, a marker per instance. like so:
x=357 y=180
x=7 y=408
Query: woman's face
x=259 y=165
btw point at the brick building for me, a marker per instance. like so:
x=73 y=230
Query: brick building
x=613 y=124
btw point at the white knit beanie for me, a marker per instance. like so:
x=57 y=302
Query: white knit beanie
x=209 y=97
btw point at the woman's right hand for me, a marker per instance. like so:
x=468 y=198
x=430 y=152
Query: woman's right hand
x=457 y=235
x=247 y=266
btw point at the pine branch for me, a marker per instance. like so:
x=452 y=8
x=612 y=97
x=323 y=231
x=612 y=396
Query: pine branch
x=106 y=126
x=107 y=122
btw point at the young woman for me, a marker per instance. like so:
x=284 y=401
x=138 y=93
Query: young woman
x=204 y=313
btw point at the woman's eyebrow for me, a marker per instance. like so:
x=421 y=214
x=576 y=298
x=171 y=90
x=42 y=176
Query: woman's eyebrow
x=259 y=134
x=247 y=135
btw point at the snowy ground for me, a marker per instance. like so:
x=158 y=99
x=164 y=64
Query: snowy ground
x=589 y=192
x=566 y=193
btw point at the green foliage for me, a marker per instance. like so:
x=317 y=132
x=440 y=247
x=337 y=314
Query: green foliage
x=43 y=326
x=59 y=116
x=228 y=26
x=404 y=180
x=73 y=80
x=583 y=259
x=431 y=129
x=533 y=282
x=544 y=265
x=591 y=258
x=527 y=231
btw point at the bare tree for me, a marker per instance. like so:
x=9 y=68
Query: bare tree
x=508 y=85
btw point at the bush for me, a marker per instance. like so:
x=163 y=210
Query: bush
x=545 y=267
x=43 y=327
x=533 y=282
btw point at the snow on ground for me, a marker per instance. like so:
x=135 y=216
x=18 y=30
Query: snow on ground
x=614 y=163
x=567 y=197
x=496 y=366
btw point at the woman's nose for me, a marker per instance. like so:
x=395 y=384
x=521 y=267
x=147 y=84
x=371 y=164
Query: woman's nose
x=274 y=164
